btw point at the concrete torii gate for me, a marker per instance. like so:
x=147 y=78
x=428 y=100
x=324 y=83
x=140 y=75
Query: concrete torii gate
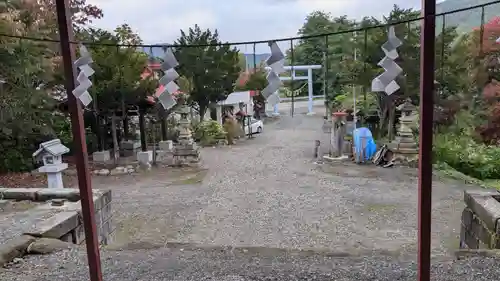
x=309 y=79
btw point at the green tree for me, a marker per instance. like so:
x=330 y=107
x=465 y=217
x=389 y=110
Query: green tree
x=27 y=100
x=118 y=84
x=213 y=70
x=117 y=80
x=26 y=117
x=344 y=71
x=316 y=51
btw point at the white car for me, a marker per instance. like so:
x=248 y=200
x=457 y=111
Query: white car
x=256 y=126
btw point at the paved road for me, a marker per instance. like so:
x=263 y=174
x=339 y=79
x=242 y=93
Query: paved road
x=264 y=195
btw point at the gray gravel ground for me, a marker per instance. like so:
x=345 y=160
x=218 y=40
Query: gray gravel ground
x=268 y=193
x=178 y=264
x=14 y=222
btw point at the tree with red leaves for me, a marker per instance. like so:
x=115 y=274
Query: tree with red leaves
x=487 y=77
x=490 y=132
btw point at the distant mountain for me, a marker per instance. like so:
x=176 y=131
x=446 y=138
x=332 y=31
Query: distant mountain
x=467 y=20
x=156 y=52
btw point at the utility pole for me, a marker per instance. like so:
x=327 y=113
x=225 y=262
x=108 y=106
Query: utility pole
x=77 y=127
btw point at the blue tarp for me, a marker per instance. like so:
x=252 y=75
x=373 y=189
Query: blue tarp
x=370 y=148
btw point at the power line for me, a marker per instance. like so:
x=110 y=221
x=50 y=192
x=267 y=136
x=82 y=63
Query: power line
x=304 y=37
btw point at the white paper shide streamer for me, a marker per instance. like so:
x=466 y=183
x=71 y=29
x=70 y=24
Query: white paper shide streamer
x=166 y=97
x=84 y=83
x=386 y=82
x=276 y=63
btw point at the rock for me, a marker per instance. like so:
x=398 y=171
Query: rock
x=103 y=172
x=4 y=204
x=45 y=246
x=145 y=166
x=116 y=172
x=14 y=248
x=58 y=202
x=35 y=172
x=70 y=172
x=17 y=260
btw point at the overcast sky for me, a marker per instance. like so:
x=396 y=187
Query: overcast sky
x=159 y=21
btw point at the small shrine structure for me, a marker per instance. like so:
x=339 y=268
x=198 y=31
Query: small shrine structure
x=50 y=153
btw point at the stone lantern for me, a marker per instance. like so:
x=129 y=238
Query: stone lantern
x=338 y=133
x=185 y=151
x=407 y=108
x=50 y=153
x=404 y=146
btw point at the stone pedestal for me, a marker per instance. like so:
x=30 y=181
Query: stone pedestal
x=166 y=145
x=480 y=228
x=129 y=148
x=165 y=157
x=145 y=157
x=101 y=156
x=54 y=174
x=185 y=151
x=338 y=133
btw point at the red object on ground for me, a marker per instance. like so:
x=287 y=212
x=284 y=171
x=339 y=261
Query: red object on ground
x=339 y=114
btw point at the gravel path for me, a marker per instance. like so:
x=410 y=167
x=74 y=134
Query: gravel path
x=17 y=217
x=179 y=264
x=268 y=193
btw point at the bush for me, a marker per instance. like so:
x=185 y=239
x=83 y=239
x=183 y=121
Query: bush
x=17 y=152
x=465 y=155
x=208 y=132
x=17 y=148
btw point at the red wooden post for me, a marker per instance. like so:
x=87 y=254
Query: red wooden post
x=428 y=29
x=77 y=126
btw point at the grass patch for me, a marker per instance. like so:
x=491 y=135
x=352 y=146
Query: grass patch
x=493 y=184
x=381 y=208
x=447 y=171
x=194 y=178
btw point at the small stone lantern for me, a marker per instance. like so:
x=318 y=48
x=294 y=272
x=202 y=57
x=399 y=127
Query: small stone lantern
x=404 y=146
x=407 y=108
x=50 y=153
x=338 y=133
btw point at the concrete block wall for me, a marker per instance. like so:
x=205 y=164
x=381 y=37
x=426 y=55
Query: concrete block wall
x=64 y=220
x=103 y=220
x=480 y=227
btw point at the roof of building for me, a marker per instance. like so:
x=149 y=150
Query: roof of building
x=53 y=147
